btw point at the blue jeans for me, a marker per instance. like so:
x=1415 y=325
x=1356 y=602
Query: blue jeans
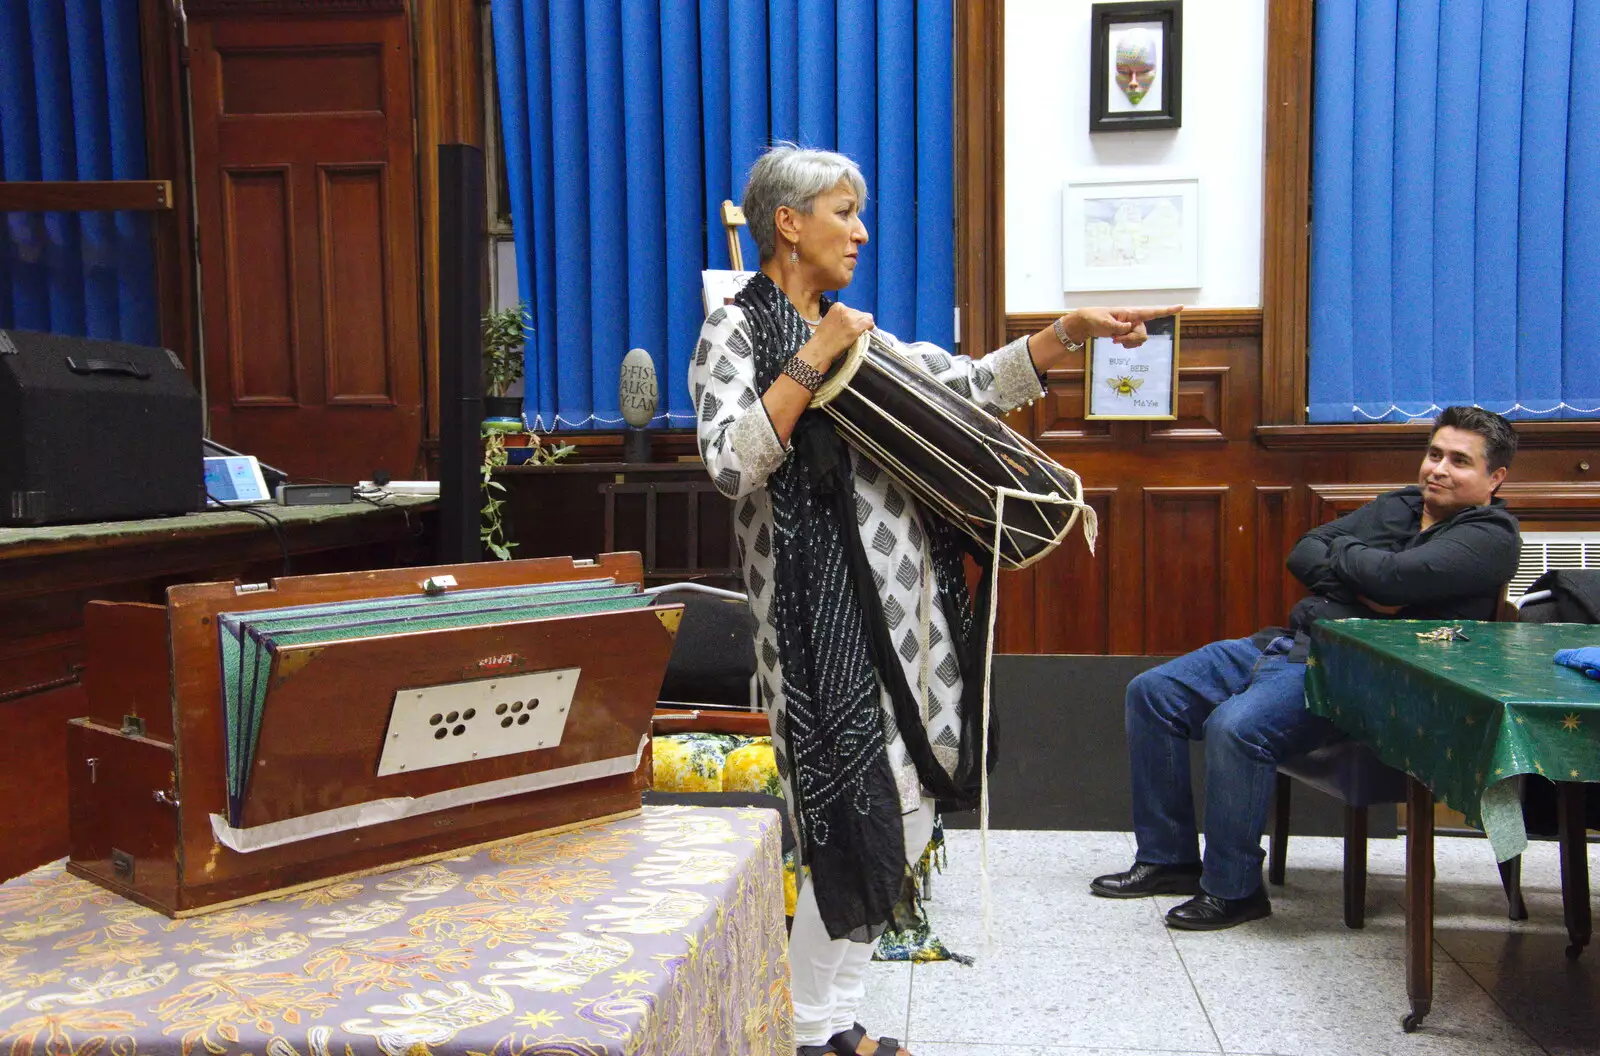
x=1248 y=705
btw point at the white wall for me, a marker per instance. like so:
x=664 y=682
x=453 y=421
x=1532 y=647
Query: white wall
x=1048 y=143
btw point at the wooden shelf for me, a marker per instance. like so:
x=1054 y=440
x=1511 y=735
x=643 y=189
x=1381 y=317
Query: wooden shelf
x=1388 y=435
x=78 y=196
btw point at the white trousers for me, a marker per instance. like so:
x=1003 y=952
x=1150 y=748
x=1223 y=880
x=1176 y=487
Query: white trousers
x=828 y=976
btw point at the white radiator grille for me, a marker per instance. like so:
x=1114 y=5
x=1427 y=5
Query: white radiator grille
x=1542 y=551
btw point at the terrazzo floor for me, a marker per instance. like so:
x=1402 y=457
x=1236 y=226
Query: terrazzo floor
x=1072 y=975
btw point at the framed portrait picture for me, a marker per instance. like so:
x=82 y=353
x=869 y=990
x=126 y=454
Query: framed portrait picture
x=1134 y=383
x=1124 y=235
x=1136 y=66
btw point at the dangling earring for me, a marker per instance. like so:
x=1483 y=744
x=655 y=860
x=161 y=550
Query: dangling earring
x=794 y=253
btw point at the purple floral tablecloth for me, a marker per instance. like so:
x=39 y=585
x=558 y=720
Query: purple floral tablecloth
x=659 y=935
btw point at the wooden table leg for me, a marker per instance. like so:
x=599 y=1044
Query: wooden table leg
x=1355 y=867
x=1419 y=903
x=1570 y=809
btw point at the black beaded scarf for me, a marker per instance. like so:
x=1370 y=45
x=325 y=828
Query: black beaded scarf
x=835 y=648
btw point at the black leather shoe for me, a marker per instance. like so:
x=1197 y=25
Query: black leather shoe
x=1206 y=912
x=1145 y=879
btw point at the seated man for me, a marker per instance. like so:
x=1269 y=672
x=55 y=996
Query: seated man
x=1443 y=549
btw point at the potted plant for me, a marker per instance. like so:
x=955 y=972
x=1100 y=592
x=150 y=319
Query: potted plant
x=504 y=332
x=492 y=528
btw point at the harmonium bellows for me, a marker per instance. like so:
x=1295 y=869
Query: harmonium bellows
x=247 y=740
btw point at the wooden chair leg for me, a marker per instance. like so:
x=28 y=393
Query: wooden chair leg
x=1278 y=849
x=1355 y=867
x=1511 y=880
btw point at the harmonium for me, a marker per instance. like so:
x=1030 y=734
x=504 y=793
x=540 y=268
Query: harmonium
x=247 y=740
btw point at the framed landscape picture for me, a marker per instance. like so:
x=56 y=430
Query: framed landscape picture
x=1127 y=235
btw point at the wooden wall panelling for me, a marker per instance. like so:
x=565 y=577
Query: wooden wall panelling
x=1210 y=445
x=1239 y=554
x=1018 y=593
x=167 y=158
x=1274 y=521
x=980 y=169
x=258 y=265
x=1286 y=211
x=1383 y=436
x=1185 y=553
x=449 y=109
x=1201 y=405
x=1196 y=323
x=1541 y=501
x=1058 y=418
x=1074 y=590
x=359 y=366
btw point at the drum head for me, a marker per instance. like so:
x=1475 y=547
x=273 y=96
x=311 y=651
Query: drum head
x=844 y=369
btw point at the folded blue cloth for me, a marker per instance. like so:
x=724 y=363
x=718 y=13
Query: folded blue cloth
x=1586 y=660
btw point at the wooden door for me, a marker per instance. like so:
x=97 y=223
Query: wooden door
x=306 y=186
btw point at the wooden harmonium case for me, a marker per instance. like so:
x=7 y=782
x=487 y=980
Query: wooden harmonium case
x=247 y=740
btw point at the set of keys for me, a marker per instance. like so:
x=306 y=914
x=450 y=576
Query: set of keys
x=1444 y=634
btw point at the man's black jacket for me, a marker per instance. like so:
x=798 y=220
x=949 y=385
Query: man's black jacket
x=1456 y=570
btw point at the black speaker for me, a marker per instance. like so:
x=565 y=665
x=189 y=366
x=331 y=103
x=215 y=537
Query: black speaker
x=463 y=212
x=95 y=431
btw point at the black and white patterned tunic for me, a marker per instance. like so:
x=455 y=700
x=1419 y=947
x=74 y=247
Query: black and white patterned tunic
x=741 y=449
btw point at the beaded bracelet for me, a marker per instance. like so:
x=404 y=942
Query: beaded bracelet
x=804 y=373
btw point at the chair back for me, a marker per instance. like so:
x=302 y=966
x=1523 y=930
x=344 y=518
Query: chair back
x=687 y=531
x=713 y=660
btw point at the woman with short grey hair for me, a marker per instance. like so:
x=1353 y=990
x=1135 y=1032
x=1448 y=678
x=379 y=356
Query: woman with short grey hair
x=864 y=742
x=791 y=177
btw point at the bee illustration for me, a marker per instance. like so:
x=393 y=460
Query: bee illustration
x=1125 y=386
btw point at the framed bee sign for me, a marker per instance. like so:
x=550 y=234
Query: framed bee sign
x=1136 y=383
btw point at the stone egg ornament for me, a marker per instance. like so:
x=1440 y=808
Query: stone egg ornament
x=637 y=388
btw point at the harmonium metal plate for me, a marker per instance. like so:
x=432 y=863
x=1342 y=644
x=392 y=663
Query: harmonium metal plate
x=482 y=718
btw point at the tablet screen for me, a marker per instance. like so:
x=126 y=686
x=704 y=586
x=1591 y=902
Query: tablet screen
x=234 y=479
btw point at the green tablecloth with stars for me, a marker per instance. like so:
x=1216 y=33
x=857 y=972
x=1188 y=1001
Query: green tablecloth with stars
x=1464 y=717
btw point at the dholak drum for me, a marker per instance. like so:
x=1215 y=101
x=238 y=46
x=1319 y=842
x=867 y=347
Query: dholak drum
x=956 y=457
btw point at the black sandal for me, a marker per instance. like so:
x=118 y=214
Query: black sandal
x=815 y=1050
x=847 y=1042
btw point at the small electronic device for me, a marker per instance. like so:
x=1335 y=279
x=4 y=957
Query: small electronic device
x=315 y=494
x=271 y=474
x=235 y=480
x=402 y=487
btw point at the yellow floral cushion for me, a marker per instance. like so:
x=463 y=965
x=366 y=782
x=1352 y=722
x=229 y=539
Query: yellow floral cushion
x=692 y=762
x=752 y=768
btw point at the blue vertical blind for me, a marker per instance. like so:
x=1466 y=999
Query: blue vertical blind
x=1455 y=228
x=72 y=108
x=627 y=125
